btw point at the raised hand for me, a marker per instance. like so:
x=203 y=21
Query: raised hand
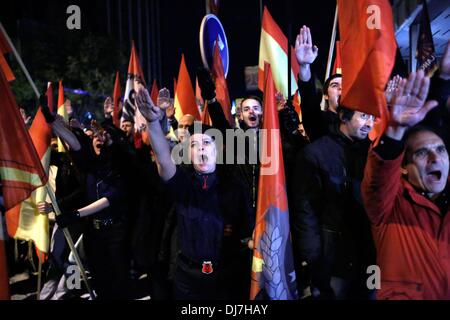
x=408 y=106
x=305 y=52
x=145 y=105
x=391 y=87
x=108 y=107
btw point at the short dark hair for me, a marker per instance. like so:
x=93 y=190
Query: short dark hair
x=345 y=113
x=413 y=131
x=252 y=97
x=327 y=82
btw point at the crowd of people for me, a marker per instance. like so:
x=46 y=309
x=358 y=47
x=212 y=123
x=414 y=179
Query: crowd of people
x=190 y=226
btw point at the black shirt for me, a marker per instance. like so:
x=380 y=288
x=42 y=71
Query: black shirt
x=213 y=214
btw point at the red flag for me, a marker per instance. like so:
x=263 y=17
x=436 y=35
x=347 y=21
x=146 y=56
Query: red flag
x=273 y=252
x=184 y=96
x=4 y=49
x=116 y=100
x=20 y=167
x=24 y=221
x=273 y=49
x=174 y=85
x=337 y=67
x=368 y=55
x=222 y=94
x=198 y=93
x=154 y=92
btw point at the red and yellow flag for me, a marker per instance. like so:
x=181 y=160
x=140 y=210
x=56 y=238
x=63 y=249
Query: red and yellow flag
x=62 y=111
x=273 y=49
x=24 y=221
x=21 y=171
x=184 y=95
x=273 y=274
x=337 y=66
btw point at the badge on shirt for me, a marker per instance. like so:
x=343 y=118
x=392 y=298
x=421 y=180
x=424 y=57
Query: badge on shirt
x=207 y=267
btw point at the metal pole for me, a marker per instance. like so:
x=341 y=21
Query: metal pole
x=332 y=44
x=47 y=187
x=19 y=60
x=69 y=241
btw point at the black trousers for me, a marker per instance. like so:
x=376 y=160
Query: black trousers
x=108 y=260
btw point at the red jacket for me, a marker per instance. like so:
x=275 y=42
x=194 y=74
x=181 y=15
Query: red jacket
x=411 y=236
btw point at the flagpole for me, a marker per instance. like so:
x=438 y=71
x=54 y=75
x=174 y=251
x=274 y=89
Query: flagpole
x=48 y=189
x=332 y=44
x=19 y=60
x=69 y=240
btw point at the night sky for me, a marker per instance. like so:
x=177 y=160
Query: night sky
x=179 y=28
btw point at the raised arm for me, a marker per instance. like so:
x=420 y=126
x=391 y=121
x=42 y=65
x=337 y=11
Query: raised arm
x=305 y=52
x=382 y=173
x=160 y=146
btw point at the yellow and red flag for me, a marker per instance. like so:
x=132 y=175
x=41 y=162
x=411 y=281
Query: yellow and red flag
x=184 y=96
x=273 y=274
x=62 y=111
x=273 y=49
x=21 y=171
x=24 y=221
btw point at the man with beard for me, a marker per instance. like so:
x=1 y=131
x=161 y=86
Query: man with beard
x=212 y=213
x=330 y=229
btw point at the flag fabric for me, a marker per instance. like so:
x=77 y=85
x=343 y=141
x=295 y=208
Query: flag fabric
x=425 y=54
x=116 y=101
x=4 y=277
x=4 y=49
x=20 y=167
x=337 y=66
x=184 y=95
x=222 y=94
x=62 y=111
x=273 y=274
x=135 y=79
x=198 y=94
x=273 y=49
x=368 y=56
x=154 y=92
x=24 y=221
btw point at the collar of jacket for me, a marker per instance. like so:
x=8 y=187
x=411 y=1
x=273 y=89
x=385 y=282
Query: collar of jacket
x=421 y=198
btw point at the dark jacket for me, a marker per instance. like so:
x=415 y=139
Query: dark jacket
x=316 y=122
x=329 y=226
x=247 y=172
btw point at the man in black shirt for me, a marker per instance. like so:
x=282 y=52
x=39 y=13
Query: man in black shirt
x=212 y=212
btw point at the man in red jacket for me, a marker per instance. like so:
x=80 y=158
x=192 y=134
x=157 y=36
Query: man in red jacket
x=406 y=195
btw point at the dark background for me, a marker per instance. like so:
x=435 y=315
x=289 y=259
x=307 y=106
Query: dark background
x=173 y=29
